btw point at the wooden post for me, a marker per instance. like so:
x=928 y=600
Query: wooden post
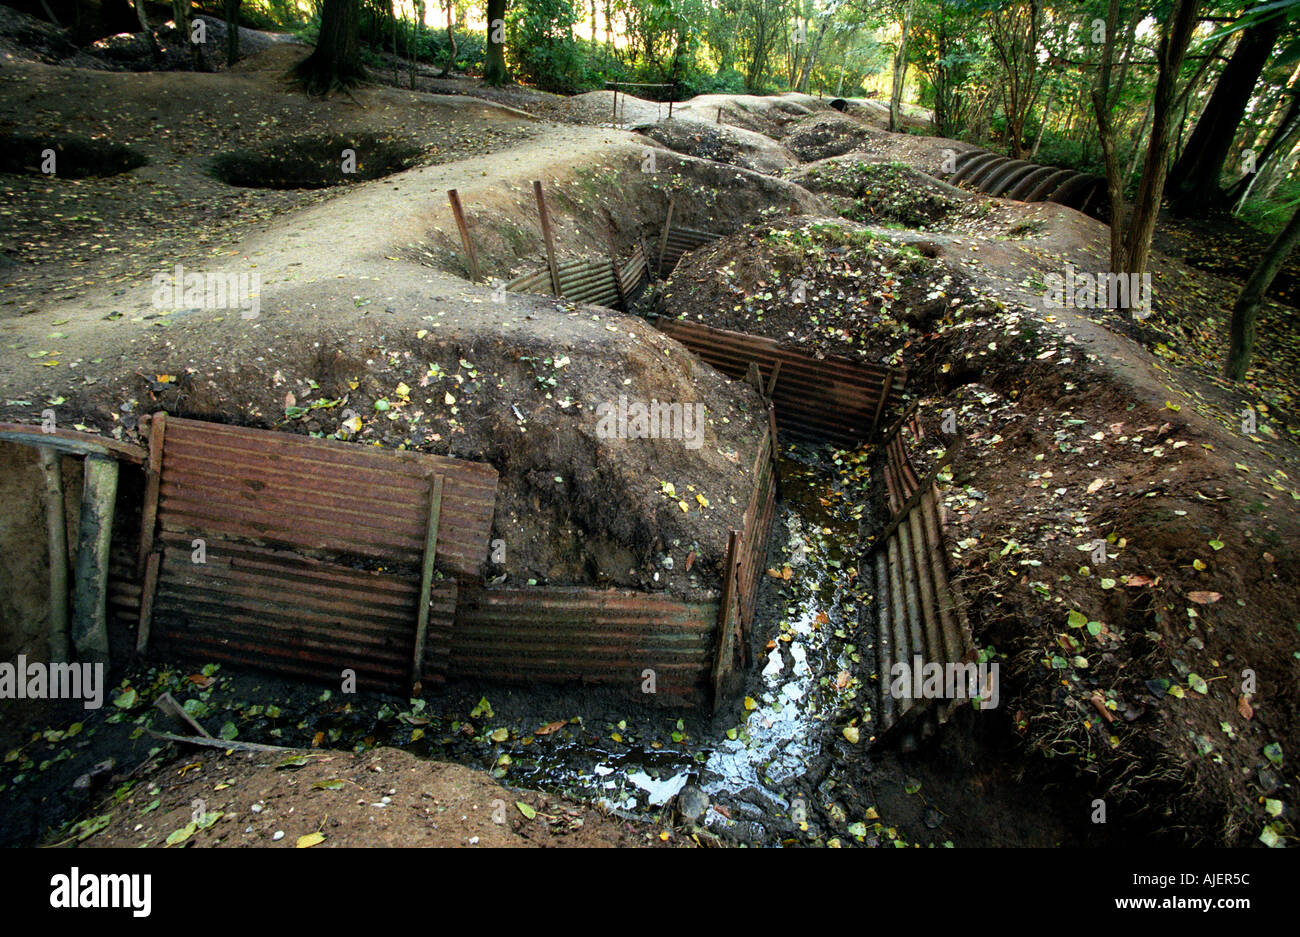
x=90 y=591
x=885 y=387
x=547 y=236
x=56 y=526
x=663 y=241
x=148 y=562
x=771 y=381
x=618 y=274
x=426 y=581
x=725 y=656
x=719 y=113
x=454 y=197
x=152 y=481
x=614 y=118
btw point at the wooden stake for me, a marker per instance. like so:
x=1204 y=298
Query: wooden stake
x=885 y=387
x=169 y=707
x=725 y=657
x=152 y=481
x=618 y=276
x=90 y=590
x=547 y=236
x=56 y=526
x=454 y=197
x=663 y=241
x=426 y=580
x=771 y=381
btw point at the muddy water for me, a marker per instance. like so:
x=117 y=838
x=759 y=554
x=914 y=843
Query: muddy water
x=804 y=683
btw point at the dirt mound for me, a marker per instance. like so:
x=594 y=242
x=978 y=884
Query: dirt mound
x=824 y=283
x=721 y=143
x=382 y=797
x=881 y=192
x=821 y=136
x=596 y=109
x=25 y=38
x=622 y=193
x=761 y=114
x=276 y=58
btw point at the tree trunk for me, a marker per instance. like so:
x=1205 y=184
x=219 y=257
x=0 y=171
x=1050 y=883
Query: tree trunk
x=232 y=31
x=336 y=62
x=1193 y=182
x=143 y=17
x=1245 y=312
x=1137 y=145
x=451 y=40
x=1175 y=36
x=900 y=69
x=494 y=59
x=1047 y=112
x=810 y=62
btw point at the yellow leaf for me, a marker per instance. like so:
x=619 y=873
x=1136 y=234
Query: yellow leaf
x=311 y=839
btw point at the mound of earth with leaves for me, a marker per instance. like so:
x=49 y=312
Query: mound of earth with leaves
x=824 y=283
x=720 y=143
x=823 y=135
x=882 y=193
x=332 y=799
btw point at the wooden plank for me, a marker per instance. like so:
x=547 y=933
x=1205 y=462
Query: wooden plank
x=547 y=236
x=618 y=276
x=152 y=480
x=426 y=581
x=885 y=386
x=70 y=442
x=663 y=241
x=148 y=590
x=90 y=588
x=168 y=706
x=56 y=528
x=724 y=659
x=898 y=424
x=454 y=197
x=771 y=381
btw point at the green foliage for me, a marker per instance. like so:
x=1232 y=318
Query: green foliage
x=541 y=46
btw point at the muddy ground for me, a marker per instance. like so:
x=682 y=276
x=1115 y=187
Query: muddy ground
x=1123 y=679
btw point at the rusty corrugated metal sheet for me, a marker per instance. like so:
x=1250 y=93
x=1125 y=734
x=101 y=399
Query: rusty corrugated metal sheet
x=280 y=611
x=582 y=281
x=832 y=398
x=443 y=598
x=918 y=612
x=314 y=552
x=681 y=241
x=590 y=636
x=993 y=174
x=634 y=273
x=337 y=498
